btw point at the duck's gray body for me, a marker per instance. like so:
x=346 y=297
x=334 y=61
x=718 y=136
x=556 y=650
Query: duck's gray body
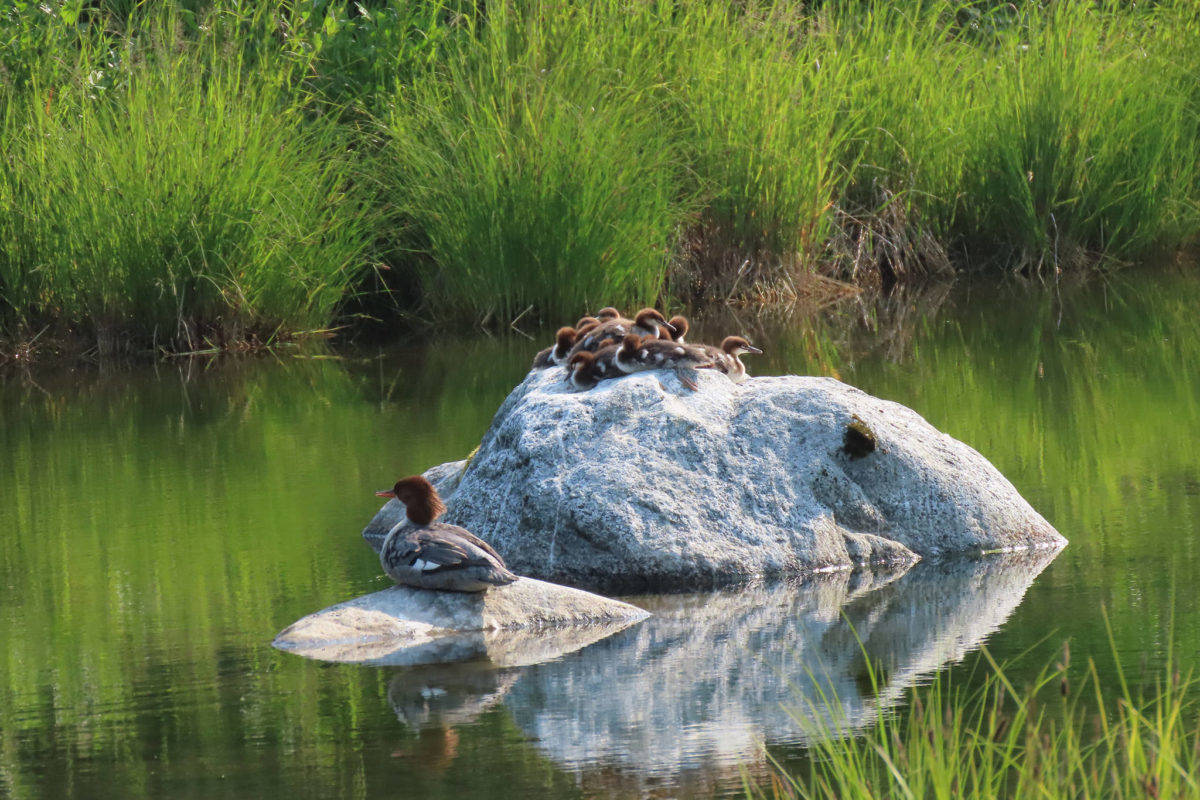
x=443 y=557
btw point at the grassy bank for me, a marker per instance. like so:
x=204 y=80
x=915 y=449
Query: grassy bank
x=1057 y=737
x=202 y=172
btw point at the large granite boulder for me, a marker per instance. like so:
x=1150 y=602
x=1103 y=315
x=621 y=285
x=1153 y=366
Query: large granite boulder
x=642 y=483
x=522 y=623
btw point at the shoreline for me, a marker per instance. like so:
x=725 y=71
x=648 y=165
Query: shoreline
x=542 y=159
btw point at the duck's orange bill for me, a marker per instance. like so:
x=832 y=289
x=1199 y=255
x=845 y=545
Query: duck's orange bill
x=385 y=493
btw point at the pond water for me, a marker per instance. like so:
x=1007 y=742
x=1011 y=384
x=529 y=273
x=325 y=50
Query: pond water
x=159 y=524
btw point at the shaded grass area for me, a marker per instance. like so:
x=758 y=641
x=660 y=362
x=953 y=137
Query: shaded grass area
x=195 y=171
x=1059 y=736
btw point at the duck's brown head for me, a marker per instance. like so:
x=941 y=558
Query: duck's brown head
x=421 y=501
x=608 y=312
x=736 y=345
x=585 y=323
x=563 y=340
x=680 y=325
x=649 y=319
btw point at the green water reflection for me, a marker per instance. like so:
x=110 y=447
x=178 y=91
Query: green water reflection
x=160 y=524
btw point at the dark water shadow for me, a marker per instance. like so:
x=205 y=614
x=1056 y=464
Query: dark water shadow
x=691 y=695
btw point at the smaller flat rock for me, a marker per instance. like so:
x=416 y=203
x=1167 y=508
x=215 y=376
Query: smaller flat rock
x=521 y=622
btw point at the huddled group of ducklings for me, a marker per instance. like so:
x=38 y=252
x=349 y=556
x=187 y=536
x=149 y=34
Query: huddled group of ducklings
x=609 y=345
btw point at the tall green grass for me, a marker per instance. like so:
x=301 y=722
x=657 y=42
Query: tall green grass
x=536 y=164
x=180 y=198
x=1057 y=737
x=526 y=154
x=1091 y=140
x=565 y=156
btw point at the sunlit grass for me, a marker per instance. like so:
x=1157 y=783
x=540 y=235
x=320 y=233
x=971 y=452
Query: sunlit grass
x=1059 y=735
x=536 y=163
x=220 y=167
x=561 y=155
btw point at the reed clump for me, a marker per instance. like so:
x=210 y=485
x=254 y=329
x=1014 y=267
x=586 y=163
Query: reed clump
x=1063 y=735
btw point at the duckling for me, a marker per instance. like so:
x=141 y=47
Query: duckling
x=563 y=340
x=726 y=357
x=684 y=359
x=625 y=359
x=586 y=323
x=434 y=555
x=648 y=322
x=607 y=313
x=581 y=373
x=679 y=325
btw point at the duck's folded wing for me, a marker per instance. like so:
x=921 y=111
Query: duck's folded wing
x=482 y=545
x=433 y=553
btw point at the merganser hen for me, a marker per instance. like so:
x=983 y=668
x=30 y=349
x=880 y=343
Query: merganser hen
x=679 y=325
x=563 y=340
x=434 y=555
x=648 y=322
x=726 y=357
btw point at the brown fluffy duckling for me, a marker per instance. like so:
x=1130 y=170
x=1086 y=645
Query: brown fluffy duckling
x=607 y=313
x=679 y=328
x=648 y=322
x=683 y=359
x=564 y=339
x=434 y=555
x=726 y=358
x=586 y=368
x=586 y=324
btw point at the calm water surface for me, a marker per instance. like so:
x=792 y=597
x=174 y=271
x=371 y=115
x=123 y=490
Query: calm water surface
x=159 y=525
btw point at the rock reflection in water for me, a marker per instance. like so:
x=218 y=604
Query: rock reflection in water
x=448 y=694
x=691 y=695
